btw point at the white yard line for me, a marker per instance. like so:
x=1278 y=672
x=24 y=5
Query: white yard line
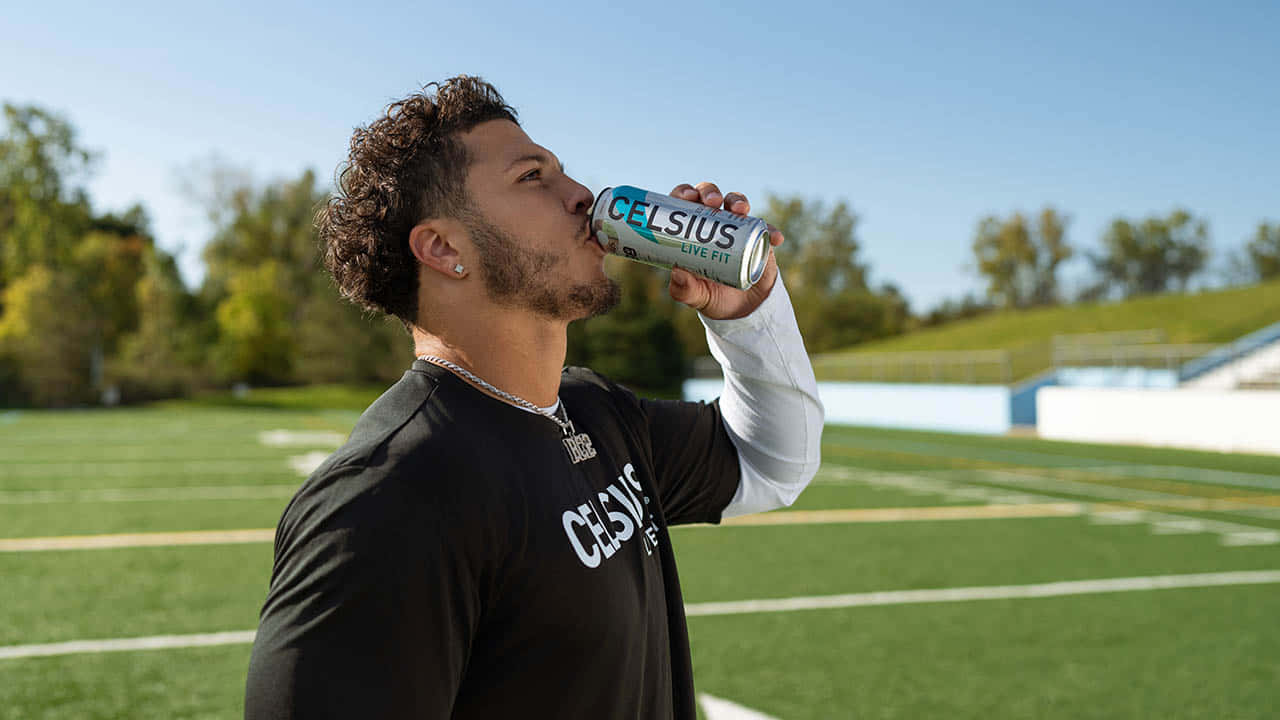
x=149 y=494
x=909 y=514
x=990 y=592
x=817 y=602
x=303 y=438
x=720 y=709
x=156 y=642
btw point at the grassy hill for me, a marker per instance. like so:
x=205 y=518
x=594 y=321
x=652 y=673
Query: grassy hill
x=1215 y=317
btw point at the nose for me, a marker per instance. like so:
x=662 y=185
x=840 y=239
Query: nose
x=579 y=199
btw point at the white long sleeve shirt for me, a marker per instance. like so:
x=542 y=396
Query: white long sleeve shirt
x=770 y=403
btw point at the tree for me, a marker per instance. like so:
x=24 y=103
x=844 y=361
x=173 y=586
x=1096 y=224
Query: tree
x=1020 y=260
x=1264 y=251
x=1154 y=255
x=637 y=343
x=833 y=303
x=163 y=355
x=256 y=340
x=292 y=326
x=43 y=333
x=43 y=212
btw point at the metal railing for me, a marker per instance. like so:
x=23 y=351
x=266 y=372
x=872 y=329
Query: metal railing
x=1167 y=356
x=1230 y=352
x=967 y=366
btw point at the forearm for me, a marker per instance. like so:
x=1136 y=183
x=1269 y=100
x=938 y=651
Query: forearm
x=770 y=403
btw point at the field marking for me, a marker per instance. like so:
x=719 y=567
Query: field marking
x=304 y=438
x=814 y=602
x=1202 y=476
x=990 y=592
x=157 y=642
x=794 y=517
x=1154 y=498
x=152 y=494
x=135 y=540
x=939 y=483
x=304 y=465
x=720 y=709
x=908 y=514
x=140 y=468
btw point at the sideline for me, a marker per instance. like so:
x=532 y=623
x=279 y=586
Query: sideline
x=869 y=599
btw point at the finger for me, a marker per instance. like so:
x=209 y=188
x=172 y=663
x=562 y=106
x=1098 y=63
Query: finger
x=776 y=237
x=711 y=195
x=684 y=191
x=736 y=202
x=688 y=289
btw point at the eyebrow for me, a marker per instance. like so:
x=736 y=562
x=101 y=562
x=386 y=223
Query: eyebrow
x=543 y=158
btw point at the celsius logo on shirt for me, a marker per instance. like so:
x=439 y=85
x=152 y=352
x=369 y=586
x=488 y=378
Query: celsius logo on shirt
x=596 y=530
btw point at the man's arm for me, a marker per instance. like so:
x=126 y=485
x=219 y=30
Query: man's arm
x=770 y=404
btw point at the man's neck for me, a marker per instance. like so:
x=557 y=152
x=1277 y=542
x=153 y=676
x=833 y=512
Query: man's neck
x=512 y=351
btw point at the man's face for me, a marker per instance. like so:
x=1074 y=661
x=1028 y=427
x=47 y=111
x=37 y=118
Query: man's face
x=529 y=223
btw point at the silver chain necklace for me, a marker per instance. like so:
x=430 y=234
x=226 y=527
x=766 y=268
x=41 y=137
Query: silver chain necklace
x=565 y=424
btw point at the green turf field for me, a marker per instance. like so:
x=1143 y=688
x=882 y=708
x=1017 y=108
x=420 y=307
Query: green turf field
x=926 y=513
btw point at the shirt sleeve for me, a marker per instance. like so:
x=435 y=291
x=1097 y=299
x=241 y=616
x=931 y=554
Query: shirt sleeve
x=770 y=403
x=370 y=614
x=695 y=463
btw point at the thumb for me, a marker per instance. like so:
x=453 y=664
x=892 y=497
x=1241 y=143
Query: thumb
x=687 y=289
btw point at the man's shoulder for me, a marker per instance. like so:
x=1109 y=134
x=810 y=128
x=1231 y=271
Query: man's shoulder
x=583 y=381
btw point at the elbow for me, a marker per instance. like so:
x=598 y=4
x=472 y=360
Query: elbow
x=804 y=475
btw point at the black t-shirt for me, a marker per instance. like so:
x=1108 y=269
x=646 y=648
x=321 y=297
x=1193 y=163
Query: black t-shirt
x=452 y=560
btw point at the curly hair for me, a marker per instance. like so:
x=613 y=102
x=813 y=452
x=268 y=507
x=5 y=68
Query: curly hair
x=406 y=166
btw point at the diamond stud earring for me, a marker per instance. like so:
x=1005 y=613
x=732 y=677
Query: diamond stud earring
x=458 y=268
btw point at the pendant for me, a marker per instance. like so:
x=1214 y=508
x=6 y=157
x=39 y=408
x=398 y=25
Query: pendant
x=578 y=445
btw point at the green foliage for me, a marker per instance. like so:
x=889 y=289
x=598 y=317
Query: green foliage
x=161 y=357
x=269 y=223
x=255 y=325
x=279 y=318
x=1154 y=255
x=636 y=344
x=339 y=342
x=43 y=333
x=43 y=214
x=1264 y=251
x=1020 y=260
x=828 y=285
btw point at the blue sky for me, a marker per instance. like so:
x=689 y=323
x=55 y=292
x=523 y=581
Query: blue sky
x=924 y=116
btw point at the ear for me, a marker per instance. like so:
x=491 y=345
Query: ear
x=433 y=244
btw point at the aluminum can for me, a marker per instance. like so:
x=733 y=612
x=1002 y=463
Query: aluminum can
x=660 y=230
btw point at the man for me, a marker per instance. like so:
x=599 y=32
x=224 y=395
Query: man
x=492 y=539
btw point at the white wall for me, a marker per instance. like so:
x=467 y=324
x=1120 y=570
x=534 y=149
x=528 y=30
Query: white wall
x=1220 y=420
x=951 y=408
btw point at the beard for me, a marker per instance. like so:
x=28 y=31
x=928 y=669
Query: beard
x=519 y=277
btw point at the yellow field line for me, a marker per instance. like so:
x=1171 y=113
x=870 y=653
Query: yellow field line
x=133 y=540
x=784 y=517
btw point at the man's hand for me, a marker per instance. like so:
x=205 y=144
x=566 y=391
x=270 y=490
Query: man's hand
x=712 y=299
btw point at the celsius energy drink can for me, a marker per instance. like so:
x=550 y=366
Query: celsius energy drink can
x=660 y=230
